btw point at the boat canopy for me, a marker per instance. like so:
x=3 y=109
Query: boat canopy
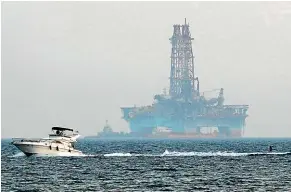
x=62 y=129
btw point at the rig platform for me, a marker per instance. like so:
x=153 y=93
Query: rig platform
x=185 y=111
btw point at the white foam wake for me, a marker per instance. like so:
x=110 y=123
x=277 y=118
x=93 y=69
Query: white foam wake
x=219 y=153
x=20 y=154
x=200 y=154
x=63 y=154
x=118 y=154
x=166 y=153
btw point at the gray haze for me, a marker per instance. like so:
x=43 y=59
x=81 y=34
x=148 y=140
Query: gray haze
x=74 y=64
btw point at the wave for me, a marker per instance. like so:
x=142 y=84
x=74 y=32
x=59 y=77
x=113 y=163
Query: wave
x=165 y=154
x=20 y=154
x=200 y=154
x=68 y=154
x=226 y=153
x=118 y=154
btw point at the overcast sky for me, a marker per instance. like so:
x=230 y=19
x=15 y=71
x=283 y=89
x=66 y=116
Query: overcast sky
x=74 y=64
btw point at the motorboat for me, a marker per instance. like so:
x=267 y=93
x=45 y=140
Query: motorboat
x=61 y=142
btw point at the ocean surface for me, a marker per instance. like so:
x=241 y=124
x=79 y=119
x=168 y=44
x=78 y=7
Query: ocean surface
x=153 y=165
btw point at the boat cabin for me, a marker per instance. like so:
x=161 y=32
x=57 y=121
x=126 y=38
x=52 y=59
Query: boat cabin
x=61 y=132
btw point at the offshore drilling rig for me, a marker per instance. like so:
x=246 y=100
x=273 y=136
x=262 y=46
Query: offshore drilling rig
x=185 y=110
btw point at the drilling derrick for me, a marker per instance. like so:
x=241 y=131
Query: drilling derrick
x=185 y=110
x=182 y=80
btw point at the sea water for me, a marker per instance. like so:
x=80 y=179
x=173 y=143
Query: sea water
x=153 y=165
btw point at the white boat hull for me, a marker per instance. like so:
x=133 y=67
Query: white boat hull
x=30 y=148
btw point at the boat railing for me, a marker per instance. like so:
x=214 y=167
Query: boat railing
x=37 y=140
x=29 y=139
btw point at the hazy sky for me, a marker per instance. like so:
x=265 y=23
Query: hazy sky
x=74 y=64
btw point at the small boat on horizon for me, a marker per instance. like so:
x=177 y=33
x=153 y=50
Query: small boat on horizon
x=60 y=142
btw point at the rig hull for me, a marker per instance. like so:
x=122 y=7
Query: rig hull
x=226 y=126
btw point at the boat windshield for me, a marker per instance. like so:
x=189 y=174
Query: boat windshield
x=59 y=131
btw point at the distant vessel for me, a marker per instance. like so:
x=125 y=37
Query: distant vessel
x=108 y=133
x=157 y=133
x=60 y=142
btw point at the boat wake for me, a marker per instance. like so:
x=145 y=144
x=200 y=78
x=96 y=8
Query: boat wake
x=118 y=154
x=165 y=154
x=20 y=154
x=226 y=153
x=200 y=154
